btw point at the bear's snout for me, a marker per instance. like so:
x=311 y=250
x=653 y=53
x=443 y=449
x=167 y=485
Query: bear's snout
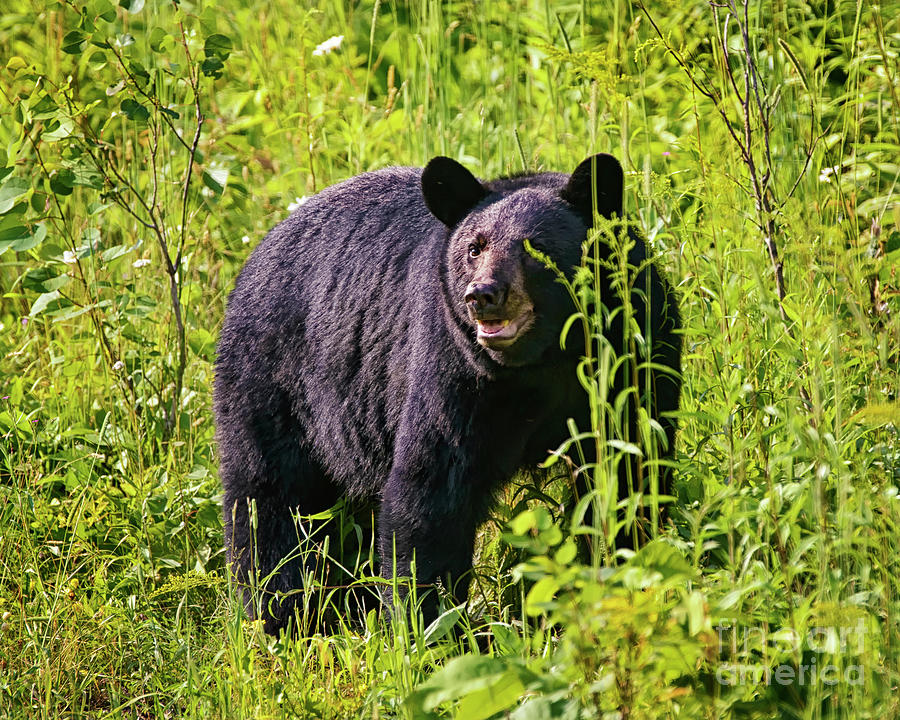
x=485 y=297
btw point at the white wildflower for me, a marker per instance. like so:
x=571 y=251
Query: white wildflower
x=332 y=43
x=245 y=239
x=118 y=366
x=140 y=262
x=69 y=257
x=297 y=203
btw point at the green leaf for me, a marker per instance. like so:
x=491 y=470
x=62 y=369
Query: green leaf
x=892 y=244
x=132 y=6
x=32 y=240
x=97 y=60
x=43 y=301
x=216 y=179
x=11 y=234
x=490 y=679
x=444 y=624
x=139 y=72
x=661 y=557
x=86 y=176
x=134 y=110
x=73 y=42
x=38 y=201
x=104 y=10
x=541 y=595
x=212 y=67
x=61 y=129
x=116 y=251
x=67 y=312
x=503 y=694
x=15 y=64
x=61 y=183
x=43 y=280
x=12 y=190
x=158 y=38
x=566 y=552
x=44 y=107
x=541 y=707
x=217 y=46
x=202 y=343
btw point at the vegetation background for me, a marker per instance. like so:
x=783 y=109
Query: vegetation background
x=146 y=147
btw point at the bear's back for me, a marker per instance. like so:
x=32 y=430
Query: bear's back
x=321 y=315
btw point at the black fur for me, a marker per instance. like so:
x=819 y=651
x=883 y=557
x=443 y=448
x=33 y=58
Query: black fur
x=350 y=365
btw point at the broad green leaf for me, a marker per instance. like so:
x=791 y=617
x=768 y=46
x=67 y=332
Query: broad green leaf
x=61 y=183
x=158 y=38
x=43 y=301
x=216 y=179
x=31 y=240
x=16 y=63
x=465 y=675
x=212 y=67
x=86 y=176
x=542 y=707
x=12 y=228
x=134 y=110
x=132 y=6
x=63 y=129
x=69 y=312
x=660 y=556
x=12 y=190
x=442 y=626
x=44 y=279
x=566 y=552
x=12 y=235
x=202 y=343
x=73 y=42
x=95 y=208
x=139 y=72
x=696 y=612
x=503 y=694
x=116 y=251
x=43 y=107
x=97 y=60
x=217 y=46
x=104 y=10
x=541 y=595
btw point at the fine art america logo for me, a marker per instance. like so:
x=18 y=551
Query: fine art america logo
x=823 y=656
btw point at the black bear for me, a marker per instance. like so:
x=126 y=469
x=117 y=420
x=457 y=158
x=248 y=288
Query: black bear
x=393 y=342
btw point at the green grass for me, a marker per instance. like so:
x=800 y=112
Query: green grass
x=782 y=548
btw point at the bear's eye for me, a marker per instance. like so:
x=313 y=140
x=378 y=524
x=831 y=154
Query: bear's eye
x=474 y=250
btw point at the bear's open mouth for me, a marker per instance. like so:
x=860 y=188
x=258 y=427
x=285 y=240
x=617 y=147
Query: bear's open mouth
x=499 y=333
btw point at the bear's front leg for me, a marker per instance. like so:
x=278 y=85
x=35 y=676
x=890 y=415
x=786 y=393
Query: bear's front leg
x=430 y=509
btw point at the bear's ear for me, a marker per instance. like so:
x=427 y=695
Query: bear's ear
x=598 y=179
x=450 y=191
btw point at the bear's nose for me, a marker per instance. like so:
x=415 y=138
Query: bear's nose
x=485 y=295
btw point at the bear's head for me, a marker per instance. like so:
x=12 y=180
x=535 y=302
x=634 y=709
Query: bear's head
x=513 y=303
